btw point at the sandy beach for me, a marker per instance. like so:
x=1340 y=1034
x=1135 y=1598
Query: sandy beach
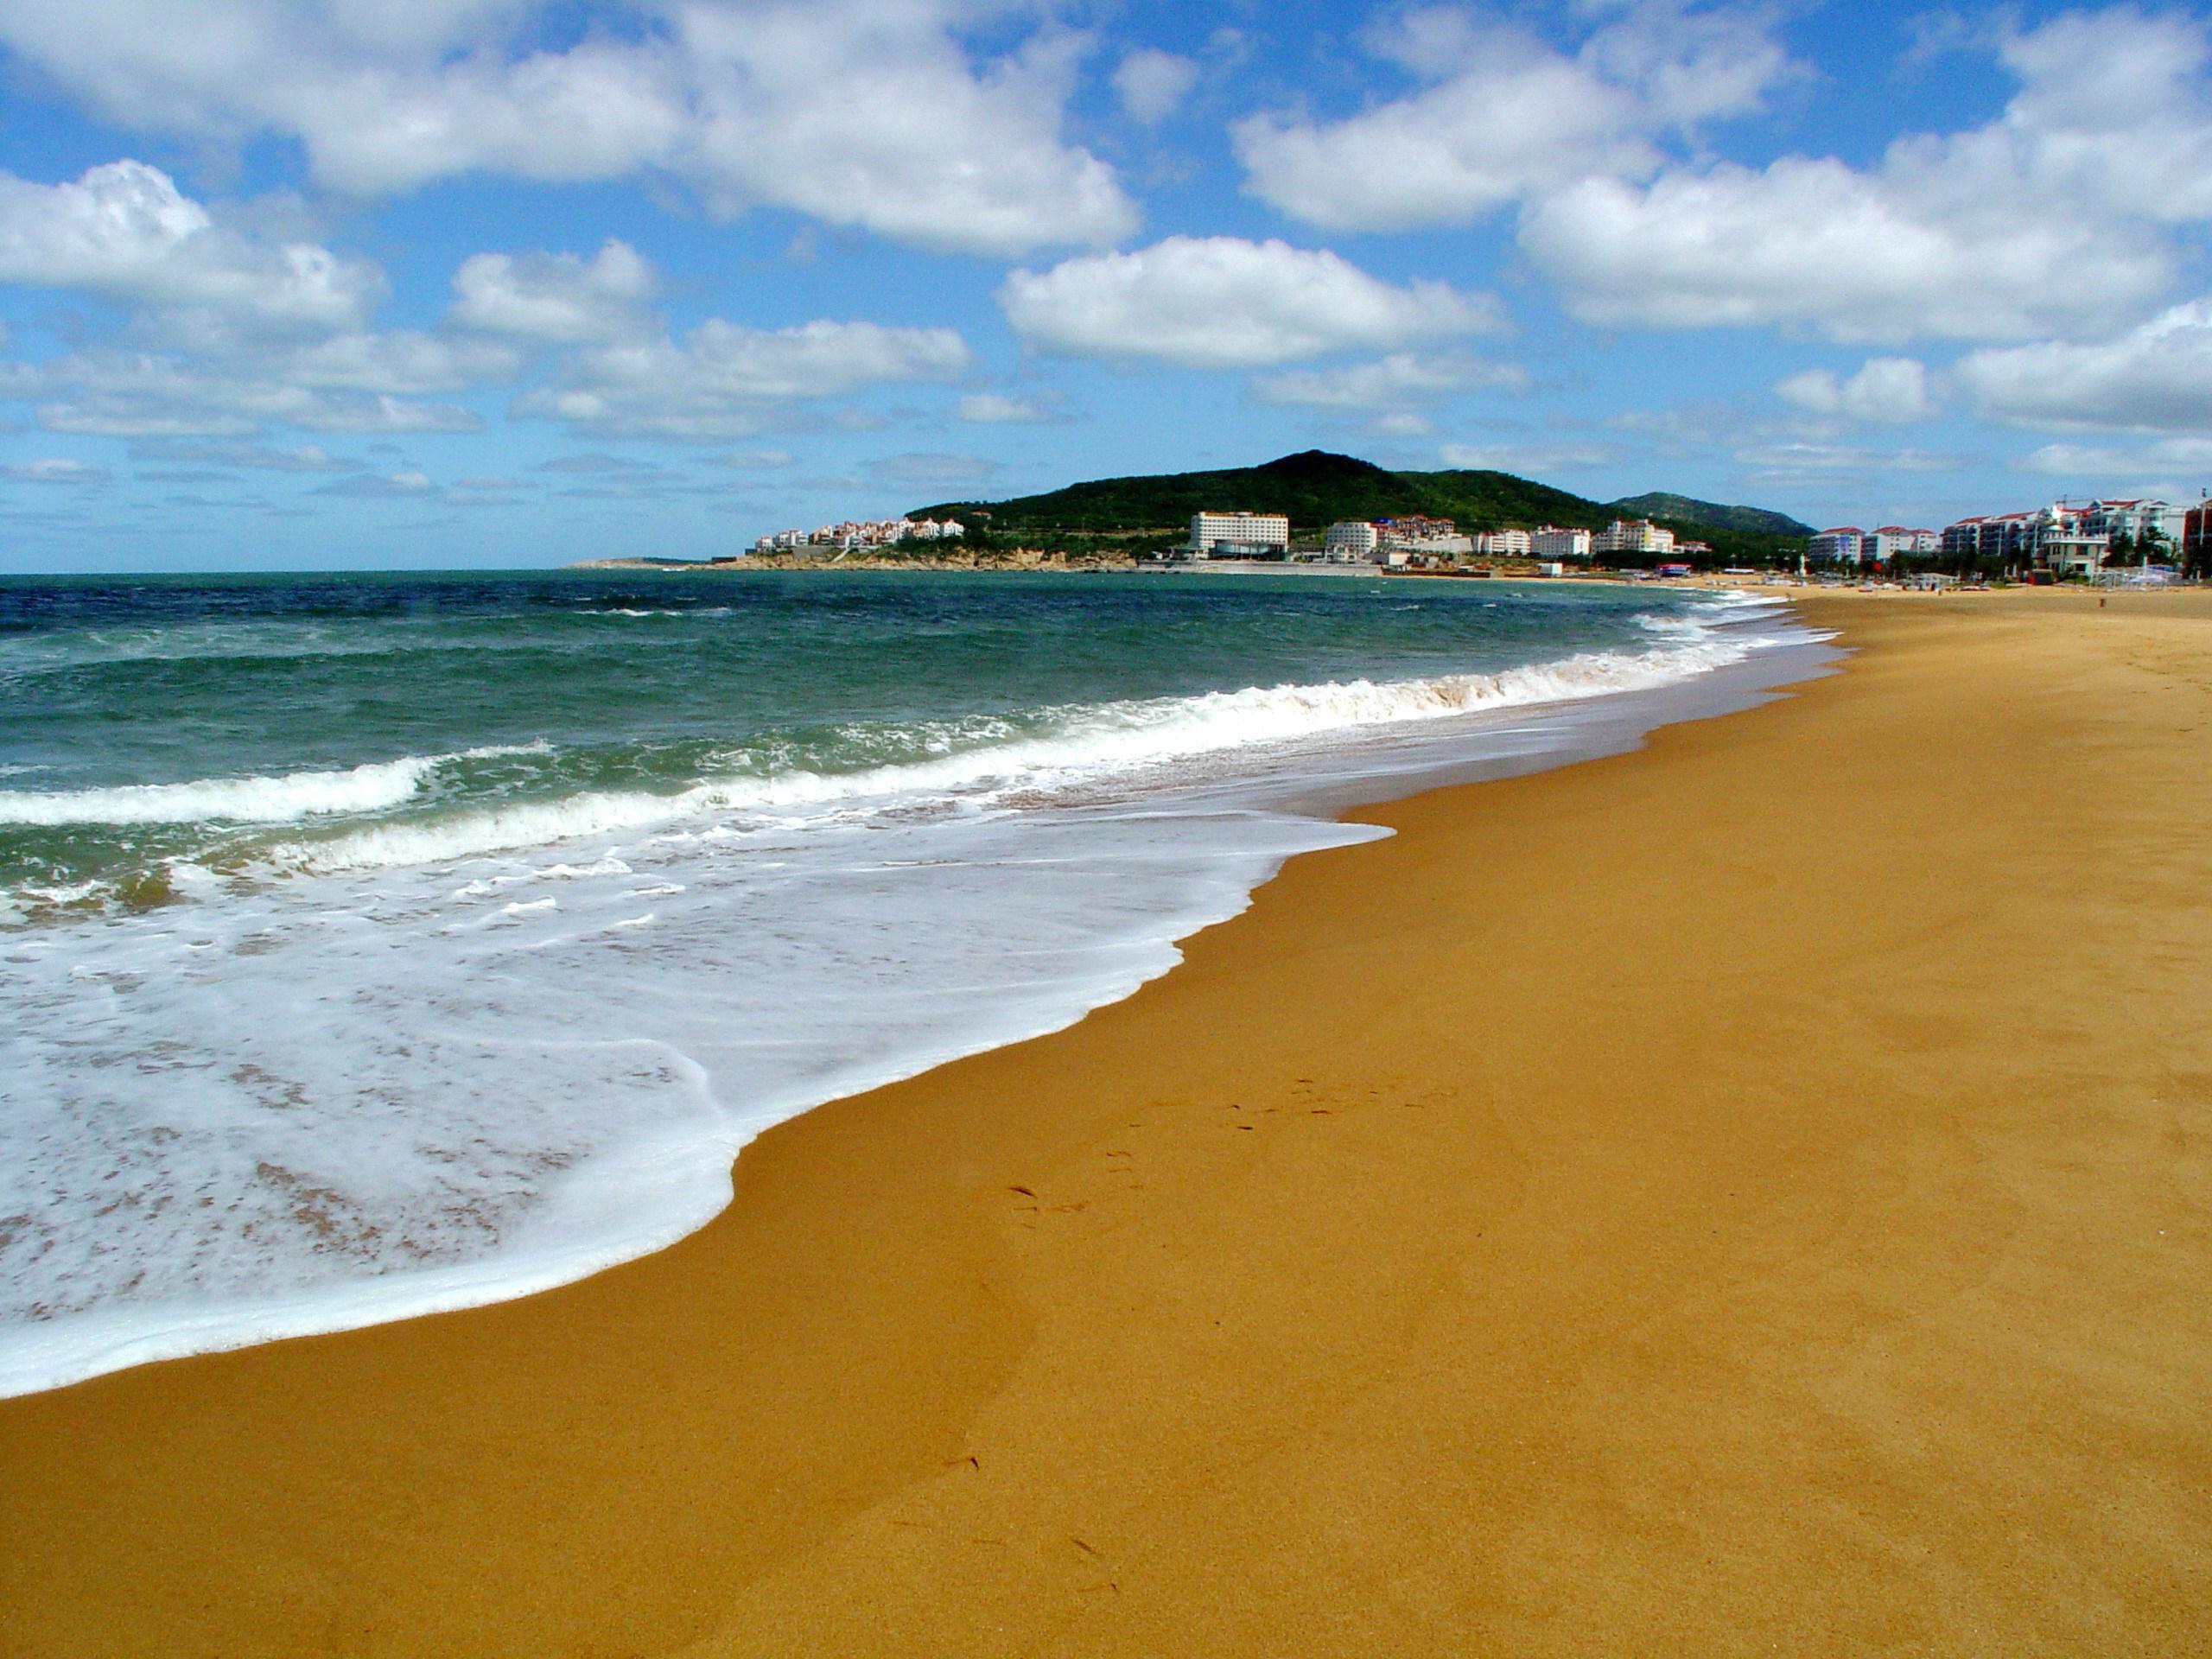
x=1751 y=1195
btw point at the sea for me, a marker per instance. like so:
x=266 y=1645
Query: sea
x=378 y=945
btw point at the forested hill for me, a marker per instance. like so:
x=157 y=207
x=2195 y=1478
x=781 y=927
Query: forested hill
x=1315 y=489
x=1758 y=520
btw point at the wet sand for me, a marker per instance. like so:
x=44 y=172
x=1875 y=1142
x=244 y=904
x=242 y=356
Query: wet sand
x=1750 y=1195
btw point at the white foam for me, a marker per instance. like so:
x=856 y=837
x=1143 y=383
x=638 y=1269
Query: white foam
x=369 y=1092
x=1089 y=745
x=256 y=799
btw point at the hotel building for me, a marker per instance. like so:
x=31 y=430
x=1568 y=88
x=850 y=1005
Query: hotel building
x=1240 y=535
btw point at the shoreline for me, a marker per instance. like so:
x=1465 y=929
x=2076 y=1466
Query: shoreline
x=1306 y=794
x=1831 y=1284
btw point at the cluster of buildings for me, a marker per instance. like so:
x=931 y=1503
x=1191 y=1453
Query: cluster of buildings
x=2067 y=540
x=1415 y=537
x=2063 y=538
x=1848 y=544
x=853 y=534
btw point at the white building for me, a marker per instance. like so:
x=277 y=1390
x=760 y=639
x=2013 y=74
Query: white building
x=1555 y=542
x=1240 y=533
x=1352 y=540
x=1503 y=543
x=1633 y=536
x=1841 y=546
x=1891 y=540
x=2114 y=519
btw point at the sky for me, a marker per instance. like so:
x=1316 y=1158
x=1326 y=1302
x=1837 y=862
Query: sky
x=381 y=283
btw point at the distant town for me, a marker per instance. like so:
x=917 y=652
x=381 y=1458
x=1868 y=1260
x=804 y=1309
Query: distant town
x=2061 y=542
x=860 y=534
x=2103 y=540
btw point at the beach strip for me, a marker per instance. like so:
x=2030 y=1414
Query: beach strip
x=1753 y=1194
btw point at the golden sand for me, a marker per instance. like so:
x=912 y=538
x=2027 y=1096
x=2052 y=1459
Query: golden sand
x=1747 y=1196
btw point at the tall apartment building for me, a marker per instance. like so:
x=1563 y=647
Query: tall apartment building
x=1351 y=538
x=1240 y=534
x=2114 y=519
x=1891 y=540
x=1632 y=535
x=2057 y=537
x=1556 y=542
x=1504 y=543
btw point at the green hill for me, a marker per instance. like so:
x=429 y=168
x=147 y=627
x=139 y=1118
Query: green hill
x=1757 y=520
x=1315 y=489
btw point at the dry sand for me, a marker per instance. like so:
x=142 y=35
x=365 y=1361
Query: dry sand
x=1748 y=1196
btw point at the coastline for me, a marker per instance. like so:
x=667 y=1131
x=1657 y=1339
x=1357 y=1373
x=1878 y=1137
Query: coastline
x=1705 y=1198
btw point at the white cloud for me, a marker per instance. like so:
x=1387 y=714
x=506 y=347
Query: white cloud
x=378 y=487
x=1153 y=84
x=1815 y=244
x=305 y=458
x=2166 y=458
x=856 y=111
x=54 y=469
x=124 y=232
x=2155 y=377
x=2050 y=219
x=1397 y=382
x=863 y=115
x=727 y=381
x=1508 y=114
x=1796 y=460
x=1526 y=460
x=996 y=409
x=1223 y=303
x=558 y=298
x=148 y=395
x=400 y=362
x=1886 y=390
x=938 y=469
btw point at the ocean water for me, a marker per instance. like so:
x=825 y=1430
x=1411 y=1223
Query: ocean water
x=377 y=944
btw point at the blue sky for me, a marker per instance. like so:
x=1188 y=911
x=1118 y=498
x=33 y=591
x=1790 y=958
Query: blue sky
x=381 y=282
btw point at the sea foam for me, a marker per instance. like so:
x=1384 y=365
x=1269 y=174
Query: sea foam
x=463 y=1054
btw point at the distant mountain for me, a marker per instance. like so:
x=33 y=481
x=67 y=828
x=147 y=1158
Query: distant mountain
x=1688 y=509
x=1315 y=488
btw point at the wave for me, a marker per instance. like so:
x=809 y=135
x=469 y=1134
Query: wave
x=1084 y=745
x=283 y=799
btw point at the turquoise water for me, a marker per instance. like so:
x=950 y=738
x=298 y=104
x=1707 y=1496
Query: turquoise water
x=378 y=943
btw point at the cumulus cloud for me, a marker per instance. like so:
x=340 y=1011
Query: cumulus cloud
x=1153 y=84
x=1816 y=243
x=1397 y=382
x=856 y=112
x=2047 y=220
x=723 y=380
x=1885 y=391
x=2152 y=378
x=1223 y=303
x=124 y=232
x=1506 y=113
x=557 y=298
